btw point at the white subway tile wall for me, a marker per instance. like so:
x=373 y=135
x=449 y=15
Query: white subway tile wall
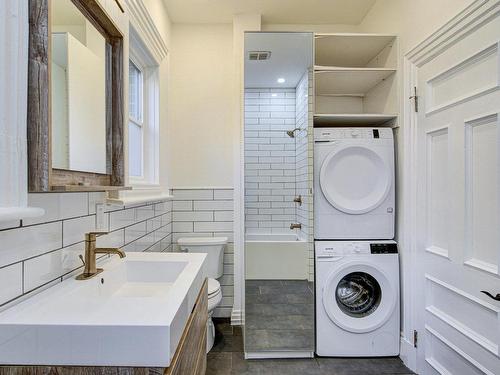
x=269 y=160
x=208 y=213
x=304 y=163
x=279 y=168
x=39 y=253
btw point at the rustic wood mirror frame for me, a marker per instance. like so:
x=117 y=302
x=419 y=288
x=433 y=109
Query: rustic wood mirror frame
x=41 y=176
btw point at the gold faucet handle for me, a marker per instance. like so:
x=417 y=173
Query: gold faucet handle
x=91 y=236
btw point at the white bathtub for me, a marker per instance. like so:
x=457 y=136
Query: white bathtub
x=275 y=256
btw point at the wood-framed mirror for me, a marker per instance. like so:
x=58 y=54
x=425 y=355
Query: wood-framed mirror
x=75 y=98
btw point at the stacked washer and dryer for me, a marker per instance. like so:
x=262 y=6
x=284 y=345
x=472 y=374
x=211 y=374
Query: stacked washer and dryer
x=356 y=259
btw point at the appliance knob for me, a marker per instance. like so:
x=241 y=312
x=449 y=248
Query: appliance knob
x=357 y=248
x=355 y=133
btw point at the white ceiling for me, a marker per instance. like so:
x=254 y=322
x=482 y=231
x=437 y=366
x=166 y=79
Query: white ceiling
x=272 y=11
x=291 y=55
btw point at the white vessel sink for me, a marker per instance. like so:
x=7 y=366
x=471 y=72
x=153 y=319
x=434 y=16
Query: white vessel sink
x=132 y=314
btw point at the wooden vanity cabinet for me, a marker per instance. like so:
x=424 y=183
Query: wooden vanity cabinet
x=191 y=354
x=190 y=358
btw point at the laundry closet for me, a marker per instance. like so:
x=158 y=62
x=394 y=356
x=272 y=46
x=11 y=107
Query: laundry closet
x=356 y=257
x=320 y=187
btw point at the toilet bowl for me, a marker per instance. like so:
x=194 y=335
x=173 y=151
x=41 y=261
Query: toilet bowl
x=214 y=299
x=214 y=248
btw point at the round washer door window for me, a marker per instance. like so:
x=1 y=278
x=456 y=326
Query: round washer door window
x=355 y=179
x=358 y=294
x=358 y=297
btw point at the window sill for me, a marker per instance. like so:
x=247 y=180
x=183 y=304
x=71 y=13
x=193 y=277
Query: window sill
x=19 y=213
x=137 y=185
x=140 y=194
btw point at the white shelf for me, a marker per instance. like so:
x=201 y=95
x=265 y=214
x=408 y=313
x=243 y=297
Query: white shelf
x=348 y=119
x=349 y=81
x=354 y=50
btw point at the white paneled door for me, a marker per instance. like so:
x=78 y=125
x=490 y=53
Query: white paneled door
x=458 y=206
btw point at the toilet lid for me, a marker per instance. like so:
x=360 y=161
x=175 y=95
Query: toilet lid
x=213 y=286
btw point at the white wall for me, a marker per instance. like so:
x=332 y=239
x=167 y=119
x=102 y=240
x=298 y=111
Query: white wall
x=201 y=131
x=413 y=21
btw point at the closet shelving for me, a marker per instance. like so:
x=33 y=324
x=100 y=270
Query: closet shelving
x=355 y=80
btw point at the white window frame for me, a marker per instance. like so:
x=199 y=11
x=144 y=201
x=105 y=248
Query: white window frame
x=150 y=108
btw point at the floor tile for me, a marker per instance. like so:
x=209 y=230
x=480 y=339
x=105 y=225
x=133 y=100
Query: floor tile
x=227 y=358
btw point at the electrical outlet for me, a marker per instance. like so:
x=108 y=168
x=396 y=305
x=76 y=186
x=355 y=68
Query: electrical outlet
x=100 y=218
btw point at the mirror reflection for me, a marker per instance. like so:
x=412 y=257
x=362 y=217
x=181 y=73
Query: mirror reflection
x=78 y=91
x=279 y=290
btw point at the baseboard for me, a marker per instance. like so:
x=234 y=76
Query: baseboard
x=279 y=354
x=237 y=318
x=408 y=354
x=222 y=312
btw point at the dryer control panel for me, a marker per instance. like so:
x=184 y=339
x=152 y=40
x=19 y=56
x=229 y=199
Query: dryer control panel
x=330 y=134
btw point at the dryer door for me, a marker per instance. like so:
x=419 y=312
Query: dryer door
x=358 y=297
x=355 y=179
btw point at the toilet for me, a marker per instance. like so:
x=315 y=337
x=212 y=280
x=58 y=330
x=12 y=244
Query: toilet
x=214 y=248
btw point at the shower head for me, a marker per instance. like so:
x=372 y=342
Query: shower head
x=291 y=133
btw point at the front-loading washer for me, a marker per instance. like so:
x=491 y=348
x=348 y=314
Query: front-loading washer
x=354 y=189
x=357 y=298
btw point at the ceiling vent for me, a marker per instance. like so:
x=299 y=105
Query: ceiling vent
x=259 y=55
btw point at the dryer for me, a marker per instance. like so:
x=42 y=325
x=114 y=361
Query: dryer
x=354 y=192
x=357 y=298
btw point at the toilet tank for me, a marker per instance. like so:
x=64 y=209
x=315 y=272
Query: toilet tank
x=212 y=246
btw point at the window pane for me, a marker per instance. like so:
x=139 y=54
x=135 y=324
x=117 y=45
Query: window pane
x=135 y=92
x=135 y=150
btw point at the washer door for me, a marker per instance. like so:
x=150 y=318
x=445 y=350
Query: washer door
x=358 y=297
x=354 y=179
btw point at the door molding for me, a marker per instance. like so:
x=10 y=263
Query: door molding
x=464 y=23
x=467 y=21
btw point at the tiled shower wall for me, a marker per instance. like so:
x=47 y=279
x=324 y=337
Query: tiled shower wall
x=269 y=160
x=38 y=253
x=304 y=163
x=208 y=213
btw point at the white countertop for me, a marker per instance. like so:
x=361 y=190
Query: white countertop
x=132 y=314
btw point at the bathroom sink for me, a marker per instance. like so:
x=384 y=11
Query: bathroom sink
x=132 y=314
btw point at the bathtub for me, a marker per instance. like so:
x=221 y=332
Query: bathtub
x=275 y=256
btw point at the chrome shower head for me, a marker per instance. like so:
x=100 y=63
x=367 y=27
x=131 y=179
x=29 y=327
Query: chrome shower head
x=291 y=133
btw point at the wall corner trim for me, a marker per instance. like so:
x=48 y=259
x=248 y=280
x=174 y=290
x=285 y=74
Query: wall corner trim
x=408 y=354
x=468 y=20
x=237 y=318
x=143 y=23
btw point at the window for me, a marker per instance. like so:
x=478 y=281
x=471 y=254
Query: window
x=136 y=121
x=143 y=108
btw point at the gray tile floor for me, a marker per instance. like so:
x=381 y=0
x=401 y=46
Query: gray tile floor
x=279 y=315
x=227 y=358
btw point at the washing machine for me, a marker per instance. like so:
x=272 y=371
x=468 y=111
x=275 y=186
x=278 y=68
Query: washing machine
x=357 y=298
x=354 y=183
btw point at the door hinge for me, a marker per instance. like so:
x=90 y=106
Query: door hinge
x=415 y=338
x=415 y=98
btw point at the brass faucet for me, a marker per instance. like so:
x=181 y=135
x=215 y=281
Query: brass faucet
x=90 y=269
x=295 y=226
